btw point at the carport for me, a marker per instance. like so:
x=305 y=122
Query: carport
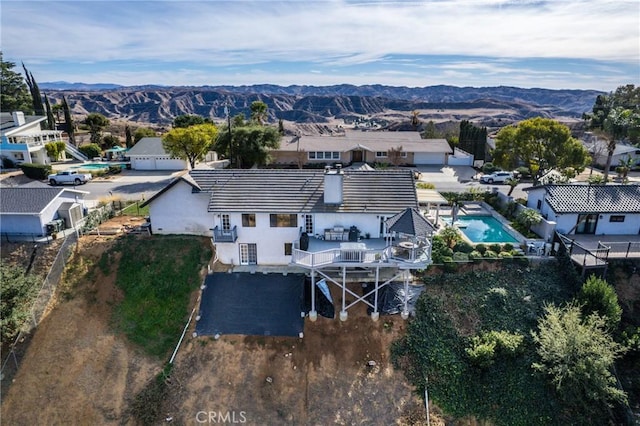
x=252 y=304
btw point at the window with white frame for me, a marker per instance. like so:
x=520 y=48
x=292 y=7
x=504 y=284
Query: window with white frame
x=323 y=155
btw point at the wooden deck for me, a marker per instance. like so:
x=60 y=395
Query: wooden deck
x=619 y=246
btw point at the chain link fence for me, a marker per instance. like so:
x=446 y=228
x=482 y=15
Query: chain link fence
x=17 y=349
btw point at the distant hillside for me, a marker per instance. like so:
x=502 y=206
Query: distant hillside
x=318 y=104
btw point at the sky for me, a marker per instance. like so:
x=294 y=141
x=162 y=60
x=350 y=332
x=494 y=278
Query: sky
x=554 y=44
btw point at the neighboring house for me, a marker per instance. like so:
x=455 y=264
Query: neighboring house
x=264 y=216
x=588 y=209
x=22 y=140
x=28 y=210
x=149 y=154
x=359 y=146
x=598 y=150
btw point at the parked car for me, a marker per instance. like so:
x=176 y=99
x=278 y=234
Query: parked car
x=496 y=177
x=69 y=176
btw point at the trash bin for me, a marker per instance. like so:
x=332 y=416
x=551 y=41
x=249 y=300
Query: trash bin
x=354 y=234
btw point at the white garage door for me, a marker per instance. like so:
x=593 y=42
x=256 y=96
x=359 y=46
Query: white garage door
x=429 y=158
x=143 y=163
x=170 y=164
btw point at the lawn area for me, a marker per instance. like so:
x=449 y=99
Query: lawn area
x=457 y=307
x=157 y=276
x=135 y=210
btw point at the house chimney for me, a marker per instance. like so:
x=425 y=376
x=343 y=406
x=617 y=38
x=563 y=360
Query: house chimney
x=333 y=185
x=18 y=118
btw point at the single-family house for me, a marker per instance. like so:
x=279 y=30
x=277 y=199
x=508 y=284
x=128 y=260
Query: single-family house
x=598 y=148
x=23 y=141
x=355 y=221
x=149 y=154
x=39 y=211
x=259 y=216
x=588 y=209
x=398 y=148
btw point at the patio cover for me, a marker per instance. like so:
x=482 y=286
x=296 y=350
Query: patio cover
x=252 y=304
x=410 y=222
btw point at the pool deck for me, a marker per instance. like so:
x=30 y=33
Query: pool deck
x=475 y=209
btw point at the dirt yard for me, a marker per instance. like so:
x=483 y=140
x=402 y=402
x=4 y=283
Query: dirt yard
x=78 y=371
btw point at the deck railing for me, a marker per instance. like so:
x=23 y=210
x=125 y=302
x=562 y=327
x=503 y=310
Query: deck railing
x=225 y=236
x=419 y=258
x=620 y=249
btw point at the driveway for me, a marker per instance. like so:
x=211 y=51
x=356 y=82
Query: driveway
x=461 y=179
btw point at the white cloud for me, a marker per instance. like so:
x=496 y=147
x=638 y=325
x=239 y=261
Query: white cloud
x=331 y=34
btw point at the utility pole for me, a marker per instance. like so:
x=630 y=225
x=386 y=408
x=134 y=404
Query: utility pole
x=226 y=111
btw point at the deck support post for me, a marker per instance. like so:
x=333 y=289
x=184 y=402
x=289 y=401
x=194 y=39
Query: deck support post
x=343 y=312
x=375 y=314
x=405 y=312
x=313 y=314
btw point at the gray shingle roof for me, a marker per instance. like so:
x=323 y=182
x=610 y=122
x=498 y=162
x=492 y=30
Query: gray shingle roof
x=147 y=146
x=14 y=200
x=593 y=198
x=294 y=191
x=411 y=222
x=370 y=141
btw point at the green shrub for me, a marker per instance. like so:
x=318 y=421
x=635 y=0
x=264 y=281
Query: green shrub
x=487 y=345
x=504 y=255
x=481 y=248
x=490 y=254
x=495 y=248
x=524 y=172
x=516 y=253
x=460 y=257
x=597 y=296
x=91 y=150
x=475 y=255
x=114 y=170
x=463 y=247
x=489 y=168
x=35 y=171
x=425 y=185
x=440 y=250
x=8 y=163
x=507 y=247
x=481 y=353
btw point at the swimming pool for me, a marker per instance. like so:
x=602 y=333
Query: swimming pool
x=483 y=229
x=97 y=166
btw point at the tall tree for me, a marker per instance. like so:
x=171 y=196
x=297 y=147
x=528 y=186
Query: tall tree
x=541 y=145
x=51 y=121
x=38 y=106
x=473 y=139
x=247 y=144
x=190 y=143
x=187 y=120
x=577 y=354
x=258 y=112
x=96 y=123
x=616 y=117
x=14 y=93
x=68 y=121
x=128 y=137
x=145 y=132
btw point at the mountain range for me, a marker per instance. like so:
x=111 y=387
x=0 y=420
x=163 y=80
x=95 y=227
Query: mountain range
x=324 y=104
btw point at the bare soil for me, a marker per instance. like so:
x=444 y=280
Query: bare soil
x=77 y=370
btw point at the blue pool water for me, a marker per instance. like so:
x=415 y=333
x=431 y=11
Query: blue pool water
x=97 y=166
x=483 y=229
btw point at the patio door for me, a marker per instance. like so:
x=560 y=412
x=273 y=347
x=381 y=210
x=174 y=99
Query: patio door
x=226 y=222
x=587 y=224
x=248 y=254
